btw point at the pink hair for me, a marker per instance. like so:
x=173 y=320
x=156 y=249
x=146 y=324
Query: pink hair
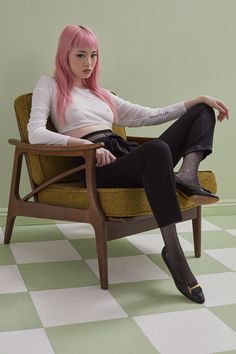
x=76 y=36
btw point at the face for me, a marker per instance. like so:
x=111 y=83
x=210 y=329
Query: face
x=82 y=63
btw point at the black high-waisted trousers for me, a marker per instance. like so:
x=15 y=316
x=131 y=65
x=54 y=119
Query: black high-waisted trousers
x=151 y=164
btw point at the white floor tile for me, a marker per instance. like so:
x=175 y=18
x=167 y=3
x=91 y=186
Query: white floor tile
x=232 y=231
x=186 y=226
x=219 y=289
x=227 y=256
x=11 y=280
x=1 y=235
x=195 y=332
x=153 y=243
x=77 y=230
x=77 y=305
x=34 y=341
x=130 y=269
x=46 y=251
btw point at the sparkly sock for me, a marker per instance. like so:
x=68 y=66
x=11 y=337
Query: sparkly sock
x=176 y=255
x=188 y=172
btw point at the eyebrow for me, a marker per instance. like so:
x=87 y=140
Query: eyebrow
x=84 y=51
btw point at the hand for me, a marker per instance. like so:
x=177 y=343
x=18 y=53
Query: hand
x=219 y=105
x=104 y=157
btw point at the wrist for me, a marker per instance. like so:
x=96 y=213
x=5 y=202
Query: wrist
x=201 y=99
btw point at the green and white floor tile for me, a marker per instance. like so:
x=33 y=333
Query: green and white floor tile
x=51 y=301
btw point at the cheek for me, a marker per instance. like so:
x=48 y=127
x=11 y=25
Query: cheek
x=94 y=63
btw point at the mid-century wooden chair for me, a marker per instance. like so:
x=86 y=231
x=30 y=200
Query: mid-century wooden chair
x=57 y=194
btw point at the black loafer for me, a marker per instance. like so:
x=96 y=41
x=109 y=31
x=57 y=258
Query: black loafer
x=196 y=194
x=192 y=291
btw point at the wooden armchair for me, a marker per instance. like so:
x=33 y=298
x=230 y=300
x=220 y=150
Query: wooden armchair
x=57 y=194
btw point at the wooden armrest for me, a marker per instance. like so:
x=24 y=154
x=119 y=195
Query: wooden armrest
x=55 y=150
x=139 y=139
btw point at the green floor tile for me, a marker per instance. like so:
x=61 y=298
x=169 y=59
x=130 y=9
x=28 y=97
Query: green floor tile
x=226 y=313
x=115 y=248
x=17 y=312
x=203 y=265
x=224 y=222
x=150 y=297
x=6 y=256
x=214 y=239
x=57 y=275
x=36 y=233
x=107 y=337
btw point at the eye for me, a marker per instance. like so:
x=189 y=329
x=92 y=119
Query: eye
x=94 y=55
x=80 y=55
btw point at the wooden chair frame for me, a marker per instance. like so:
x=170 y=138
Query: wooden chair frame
x=106 y=228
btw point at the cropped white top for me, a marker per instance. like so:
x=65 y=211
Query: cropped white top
x=87 y=109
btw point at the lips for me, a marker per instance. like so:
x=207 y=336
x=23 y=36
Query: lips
x=87 y=71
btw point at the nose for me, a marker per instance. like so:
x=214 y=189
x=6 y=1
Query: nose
x=88 y=62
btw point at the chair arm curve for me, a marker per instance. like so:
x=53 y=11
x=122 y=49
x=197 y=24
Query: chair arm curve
x=54 y=150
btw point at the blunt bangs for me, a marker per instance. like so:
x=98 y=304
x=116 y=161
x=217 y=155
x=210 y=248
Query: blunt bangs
x=85 y=39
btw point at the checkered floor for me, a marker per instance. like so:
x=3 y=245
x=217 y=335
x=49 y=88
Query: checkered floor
x=51 y=302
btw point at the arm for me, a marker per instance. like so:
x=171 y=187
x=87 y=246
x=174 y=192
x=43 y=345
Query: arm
x=43 y=96
x=134 y=115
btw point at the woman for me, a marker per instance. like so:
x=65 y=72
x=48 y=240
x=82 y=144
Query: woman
x=83 y=113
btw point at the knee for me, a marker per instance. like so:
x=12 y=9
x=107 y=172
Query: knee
x=157 y=150
x=208 y=114
x=204 y=112
x=204 y=108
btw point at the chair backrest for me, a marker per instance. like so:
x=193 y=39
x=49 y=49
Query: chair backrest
x=41 y=168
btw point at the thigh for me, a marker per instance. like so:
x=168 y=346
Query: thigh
x=124 y=172
x=177 y=134
x=148 y=159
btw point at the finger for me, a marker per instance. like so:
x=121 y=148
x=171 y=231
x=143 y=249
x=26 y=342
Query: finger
x=98 y=164
x=99 y=155
x=112 y=157
x=221 y=104
x=221 y=117
x=219 y=108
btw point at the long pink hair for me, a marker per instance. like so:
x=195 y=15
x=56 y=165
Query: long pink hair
x=75 y=36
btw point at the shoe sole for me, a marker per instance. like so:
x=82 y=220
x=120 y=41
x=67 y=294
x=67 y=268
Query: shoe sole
x=200 y=199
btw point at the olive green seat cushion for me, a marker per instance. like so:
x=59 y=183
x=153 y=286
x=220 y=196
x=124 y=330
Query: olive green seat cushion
x=116 y=202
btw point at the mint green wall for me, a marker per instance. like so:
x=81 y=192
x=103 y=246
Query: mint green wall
x=154 y=52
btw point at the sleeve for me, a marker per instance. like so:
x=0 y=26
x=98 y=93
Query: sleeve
x=40 y=109
x=134 y=115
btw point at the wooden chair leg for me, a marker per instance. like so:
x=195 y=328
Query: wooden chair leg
x=9 y=228
x=197 y=232
x=101 y=242
x=14 y=195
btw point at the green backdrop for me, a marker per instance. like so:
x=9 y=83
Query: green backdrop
x=154 y=52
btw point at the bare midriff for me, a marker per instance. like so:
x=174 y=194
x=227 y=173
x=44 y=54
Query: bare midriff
x=80 y=132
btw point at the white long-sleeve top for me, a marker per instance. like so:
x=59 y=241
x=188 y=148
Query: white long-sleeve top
x=87 y=109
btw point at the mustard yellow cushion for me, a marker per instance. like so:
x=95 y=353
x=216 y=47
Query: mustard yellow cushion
x=116 y=202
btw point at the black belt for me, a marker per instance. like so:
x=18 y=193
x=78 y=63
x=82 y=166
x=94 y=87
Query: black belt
x=98 y=135
x=115 y=144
